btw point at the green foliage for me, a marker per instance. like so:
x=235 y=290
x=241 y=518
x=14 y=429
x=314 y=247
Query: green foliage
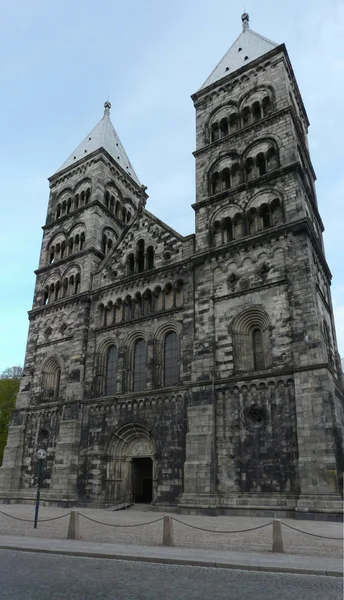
x=8 y=391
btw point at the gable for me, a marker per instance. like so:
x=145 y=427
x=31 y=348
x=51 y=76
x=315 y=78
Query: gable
x=144 y=245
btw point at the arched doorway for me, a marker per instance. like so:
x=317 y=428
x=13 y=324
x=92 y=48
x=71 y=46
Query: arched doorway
x=131 y=465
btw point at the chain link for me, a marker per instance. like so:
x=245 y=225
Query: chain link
x=32 y=520
x=217 y=531
x=121 y=526
x=324 y=537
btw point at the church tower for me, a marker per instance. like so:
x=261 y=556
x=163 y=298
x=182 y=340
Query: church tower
x=93 y=198
x=265 y=419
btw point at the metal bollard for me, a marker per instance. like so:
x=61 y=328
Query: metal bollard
x=167 y=535
x=74 y=526
x=277 y=541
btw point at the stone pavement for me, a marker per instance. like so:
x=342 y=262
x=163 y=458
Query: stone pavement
x=309 y=565
x=124 y=528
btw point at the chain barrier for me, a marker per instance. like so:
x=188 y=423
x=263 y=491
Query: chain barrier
x=32 y=520
x=217 y=531
x=121 y=526
x=324 y=537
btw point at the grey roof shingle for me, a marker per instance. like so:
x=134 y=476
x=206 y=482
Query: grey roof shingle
x=249 y=44
x=103 y=135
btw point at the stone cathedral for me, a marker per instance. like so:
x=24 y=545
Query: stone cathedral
x=199 y=373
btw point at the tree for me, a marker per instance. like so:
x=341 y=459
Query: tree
x=14 y=372
x=9 y=387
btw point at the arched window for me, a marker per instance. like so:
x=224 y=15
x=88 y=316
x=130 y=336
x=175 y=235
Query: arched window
x=58 y=211
x=271 y=159
x=150 y=258
x=111 y=371
x=171 y=359
x=215 y=183
x=252 y=220
x=266 y=106
x=249 y=169
x=276 y=212
x=46 y=295
x=131 y=264
x=261 y=164
x=51 y=376
x=69 y=205
x=215 y=133
x=265 y=216
x=257 y=347
x=251 y=340
x=233 y=122
x=107 y=199
x=224 y=127
x=104 y=243
x=88 y=194
x=227 y=229
x=77 y=284
x=139 y=370
x=226 y=179
x=256 y=111
x=140 y=256
x=246 y=116
x=76 y=202
x=235 y=175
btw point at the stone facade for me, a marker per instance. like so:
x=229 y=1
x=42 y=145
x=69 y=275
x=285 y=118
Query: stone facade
x=196 y=372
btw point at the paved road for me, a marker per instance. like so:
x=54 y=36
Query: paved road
x=27 y=576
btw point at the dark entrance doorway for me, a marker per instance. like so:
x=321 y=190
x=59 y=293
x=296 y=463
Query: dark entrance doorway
x=142 y=480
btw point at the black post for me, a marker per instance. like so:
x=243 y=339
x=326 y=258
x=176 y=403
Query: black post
x=40 y=468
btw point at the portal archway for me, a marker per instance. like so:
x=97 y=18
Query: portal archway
x=131 y=465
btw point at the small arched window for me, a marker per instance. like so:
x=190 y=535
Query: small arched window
x=224 y=127
x=107 y=199
x=227 y=228
x=58 y=211
x=226 y=179
x=266 y=106
x=233 y=122
x=265 y=216
x=140 y=256
x=257 y=347
x=271 y=159
x=150 y=258
x=215 y=133
x=139 y=370
x=249 y=169
x=131 y=264
x=246 y=116
x=215 y=183
x=51 y=376
x=171 y=359
x=256 y=111
x=261 y=164
x=111 y=371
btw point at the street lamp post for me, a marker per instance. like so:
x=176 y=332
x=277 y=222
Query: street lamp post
x=41 y=454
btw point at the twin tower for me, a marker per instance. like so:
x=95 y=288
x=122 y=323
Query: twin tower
x=197 y=372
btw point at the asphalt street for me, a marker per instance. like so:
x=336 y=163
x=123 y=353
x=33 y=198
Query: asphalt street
x=34 y=576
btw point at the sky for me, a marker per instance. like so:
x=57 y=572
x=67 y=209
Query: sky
x=62 y=60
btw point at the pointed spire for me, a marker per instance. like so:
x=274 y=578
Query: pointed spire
x=246 y=48
x=103 y=135
x=245 y=21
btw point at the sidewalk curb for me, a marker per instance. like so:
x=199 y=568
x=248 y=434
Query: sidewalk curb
x=179 y=561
